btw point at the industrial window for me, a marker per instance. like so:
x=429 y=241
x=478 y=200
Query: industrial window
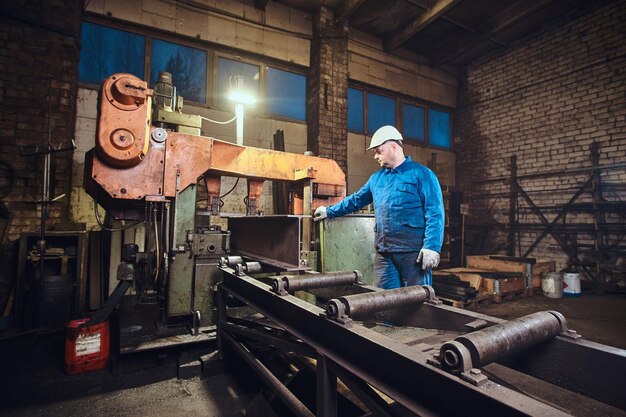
x=187 y=66
x=439 y=128
x=413 y=126
x=236 y=74
x=286 y=94
x=417 y=122
x=101 y=54
x=381 y=110
x=355 y=110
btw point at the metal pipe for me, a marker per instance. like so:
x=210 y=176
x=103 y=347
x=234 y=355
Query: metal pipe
x=307 y=282
x=357 y=304
x=291 y=401
x=496 y=342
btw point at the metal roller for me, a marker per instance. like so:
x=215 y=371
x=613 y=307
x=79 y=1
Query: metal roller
x=286 y=284
x=230 y=260
x=248 y=268
x=371 y=302
x=485 y=346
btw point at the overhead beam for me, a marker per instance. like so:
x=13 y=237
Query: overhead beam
x=502 y=21
x=420 y=4
x=422 y=21
x=345 y=9
x=260 y=4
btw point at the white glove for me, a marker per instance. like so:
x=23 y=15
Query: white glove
x=429 y=259
x=320 y=214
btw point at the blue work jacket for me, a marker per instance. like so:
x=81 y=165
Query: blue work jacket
x=408 y=207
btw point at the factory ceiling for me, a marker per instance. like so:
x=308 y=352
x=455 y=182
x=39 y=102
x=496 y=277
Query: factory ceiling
x=453 y=32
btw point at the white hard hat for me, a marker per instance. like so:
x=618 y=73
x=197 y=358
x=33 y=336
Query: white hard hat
x=383 y=134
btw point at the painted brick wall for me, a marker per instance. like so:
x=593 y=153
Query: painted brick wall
x=544 y=100
x=328 y=89
x=38 y=85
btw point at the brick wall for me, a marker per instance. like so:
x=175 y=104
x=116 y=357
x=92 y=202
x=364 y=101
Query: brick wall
x=327 y=101
x=545 y=100
x=38 y=84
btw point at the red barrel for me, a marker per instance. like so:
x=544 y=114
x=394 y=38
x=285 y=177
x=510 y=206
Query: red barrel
x=86 y=348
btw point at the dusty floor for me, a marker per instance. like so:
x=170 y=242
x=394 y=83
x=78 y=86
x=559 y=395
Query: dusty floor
x=33 y=382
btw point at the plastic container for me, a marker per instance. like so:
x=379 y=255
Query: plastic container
x=86 y=348
x=571 y=284
x=552 y=285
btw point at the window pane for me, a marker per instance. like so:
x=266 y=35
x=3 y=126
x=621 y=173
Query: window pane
x=101 y=55
x=413 y=122
x=355 y=110
x=227 y=69
x=286 y=94
x=439 y=128
x=187 y=66
x=381 y=111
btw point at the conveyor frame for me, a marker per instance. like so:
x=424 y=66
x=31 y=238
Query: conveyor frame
x=403 y=372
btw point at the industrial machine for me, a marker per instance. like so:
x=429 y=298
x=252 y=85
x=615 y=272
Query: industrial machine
x=366 y=351
x=276 y=294
x=145 y=167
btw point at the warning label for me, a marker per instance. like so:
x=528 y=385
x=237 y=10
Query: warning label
x=87 y=344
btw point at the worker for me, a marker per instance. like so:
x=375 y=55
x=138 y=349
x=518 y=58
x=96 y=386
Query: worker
x=409 y=215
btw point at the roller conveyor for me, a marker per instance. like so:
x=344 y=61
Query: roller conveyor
x=413 y=374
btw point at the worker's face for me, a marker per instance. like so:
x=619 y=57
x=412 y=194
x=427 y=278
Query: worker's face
x=383 y=154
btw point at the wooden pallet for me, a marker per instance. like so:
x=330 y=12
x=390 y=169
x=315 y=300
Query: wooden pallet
x=485 y=298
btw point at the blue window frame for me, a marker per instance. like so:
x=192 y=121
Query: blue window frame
x=381 y=111
x=413 y=125
x=355 y=110
x=187 y=66
x=227 y=70
x=101 y=55
x=439 y=128
x=286 y=94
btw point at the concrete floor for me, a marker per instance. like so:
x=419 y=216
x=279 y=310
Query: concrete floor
x=33 y=382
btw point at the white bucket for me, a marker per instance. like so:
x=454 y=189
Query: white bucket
x=552 y=285
x=571 y=284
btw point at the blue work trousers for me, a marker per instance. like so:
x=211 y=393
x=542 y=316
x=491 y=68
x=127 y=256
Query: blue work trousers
x=399 y=269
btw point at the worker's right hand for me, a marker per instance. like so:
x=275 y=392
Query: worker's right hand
x=320 y=214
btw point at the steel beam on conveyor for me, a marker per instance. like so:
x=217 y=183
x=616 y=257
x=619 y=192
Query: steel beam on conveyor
x=399 y=370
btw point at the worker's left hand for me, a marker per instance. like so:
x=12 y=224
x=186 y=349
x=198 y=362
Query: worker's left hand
x=429 y=259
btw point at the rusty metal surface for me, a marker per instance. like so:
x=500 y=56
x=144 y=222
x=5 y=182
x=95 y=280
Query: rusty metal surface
x=130 y=165
x=124 y=120
x=192 y=156
x=496 y=342
x=311 y=281
x=361 y=304
x=130 y=183
x=267 y=237
x=400 y=371
x=588 y=368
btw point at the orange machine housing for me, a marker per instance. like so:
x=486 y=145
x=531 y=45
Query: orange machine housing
x=134 y=160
